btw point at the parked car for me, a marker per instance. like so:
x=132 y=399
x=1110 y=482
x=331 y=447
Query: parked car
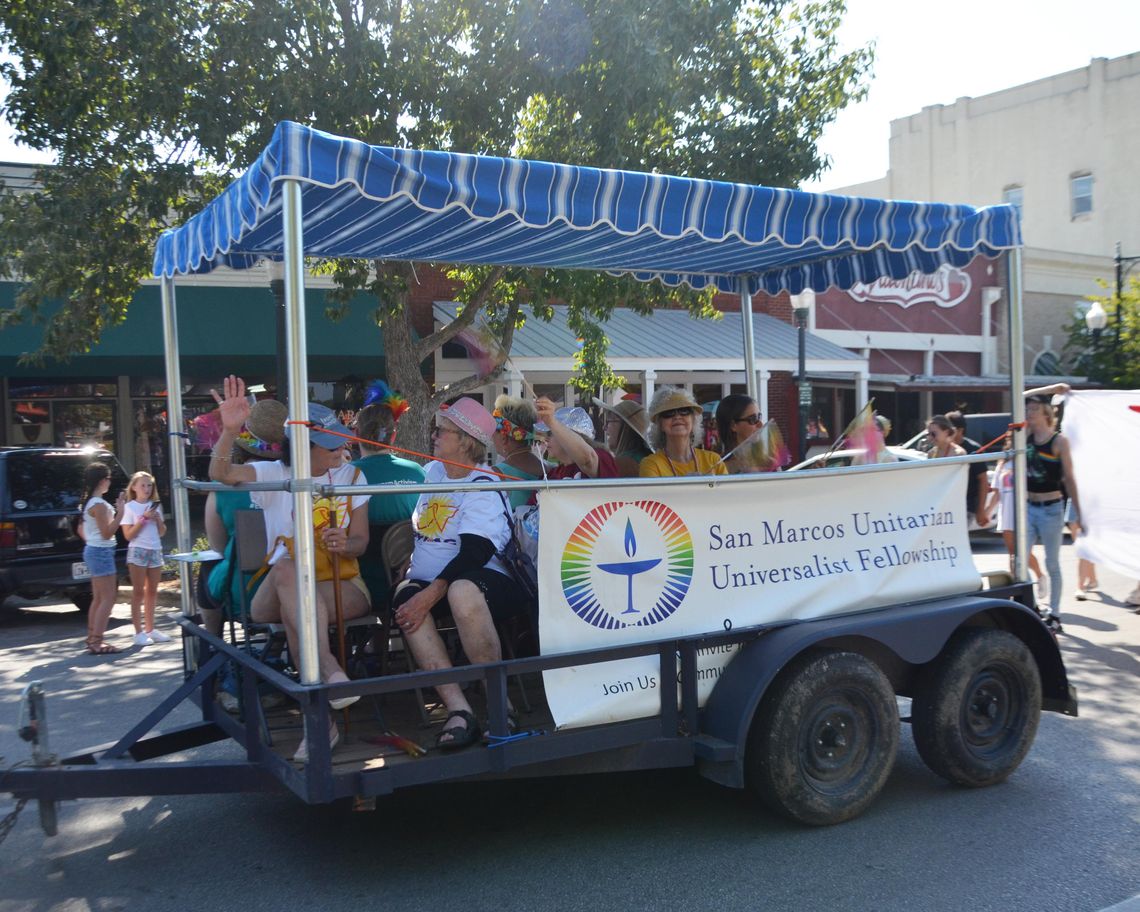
x=40 y=550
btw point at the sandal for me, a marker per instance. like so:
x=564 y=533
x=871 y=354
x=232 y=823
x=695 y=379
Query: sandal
x=96 y=647
x=458 y=737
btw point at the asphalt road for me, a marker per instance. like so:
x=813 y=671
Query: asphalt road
x=1061 y=834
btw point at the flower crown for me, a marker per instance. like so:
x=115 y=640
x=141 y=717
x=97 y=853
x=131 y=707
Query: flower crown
x=252 y=442
x=512 y=431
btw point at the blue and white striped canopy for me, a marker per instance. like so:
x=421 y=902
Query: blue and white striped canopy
x=380 y=202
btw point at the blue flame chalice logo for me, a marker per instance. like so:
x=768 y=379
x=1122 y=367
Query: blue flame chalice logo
x=663 y=581
x=630 y=568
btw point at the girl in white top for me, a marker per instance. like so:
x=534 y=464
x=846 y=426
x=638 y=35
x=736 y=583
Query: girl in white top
x=143 y=528
x=100 y=520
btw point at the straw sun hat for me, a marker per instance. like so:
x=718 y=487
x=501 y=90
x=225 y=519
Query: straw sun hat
x=264 y=431
x=632 y=414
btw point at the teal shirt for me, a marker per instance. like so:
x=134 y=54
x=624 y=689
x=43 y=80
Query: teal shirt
x=227 y=503
x=517 y=498
x=384 y=468
x=384 y=509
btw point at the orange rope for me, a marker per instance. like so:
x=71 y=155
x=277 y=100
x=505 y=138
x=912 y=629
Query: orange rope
x=389 y=446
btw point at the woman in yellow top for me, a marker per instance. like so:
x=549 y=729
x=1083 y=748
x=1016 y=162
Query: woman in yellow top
x=674 y=415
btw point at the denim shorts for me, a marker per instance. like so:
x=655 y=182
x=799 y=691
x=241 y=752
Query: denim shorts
x=148 y=558
x=100 y=561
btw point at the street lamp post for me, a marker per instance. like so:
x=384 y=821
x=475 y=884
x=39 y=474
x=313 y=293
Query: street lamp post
x=1096 y=320
x=1123 y=265
x=801 y=304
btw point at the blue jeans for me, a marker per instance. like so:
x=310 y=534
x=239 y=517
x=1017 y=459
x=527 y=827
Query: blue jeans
x=1047 y=525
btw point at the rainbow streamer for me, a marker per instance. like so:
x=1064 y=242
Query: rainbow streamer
x=483 y=348
x=863 y=434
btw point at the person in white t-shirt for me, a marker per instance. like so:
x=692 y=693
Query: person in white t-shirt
x=143 y=528
x=455 y=568
x=340 y=524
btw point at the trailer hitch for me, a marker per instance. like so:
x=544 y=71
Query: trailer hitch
x=33 y=728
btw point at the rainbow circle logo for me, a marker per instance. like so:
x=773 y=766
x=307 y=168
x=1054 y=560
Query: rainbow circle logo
x=627 y=564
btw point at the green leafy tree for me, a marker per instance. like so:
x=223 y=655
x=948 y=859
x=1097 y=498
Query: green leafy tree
x=151 y=108
x=1113 y=357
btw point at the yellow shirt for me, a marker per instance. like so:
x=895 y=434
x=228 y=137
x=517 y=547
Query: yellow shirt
x=658 y=465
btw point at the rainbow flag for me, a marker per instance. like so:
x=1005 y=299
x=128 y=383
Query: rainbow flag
x=863 y=434
x=483 y=348
x=763 y=451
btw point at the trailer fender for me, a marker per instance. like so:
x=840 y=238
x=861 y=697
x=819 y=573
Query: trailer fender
x=910 y=635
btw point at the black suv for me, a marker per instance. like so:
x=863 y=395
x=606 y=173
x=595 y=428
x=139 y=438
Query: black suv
x=40 y=551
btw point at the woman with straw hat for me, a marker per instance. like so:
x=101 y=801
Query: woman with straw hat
x=674 y=414
x=627 y=430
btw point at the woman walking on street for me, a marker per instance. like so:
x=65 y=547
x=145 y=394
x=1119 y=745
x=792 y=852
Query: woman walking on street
x=1048 y=465
x=100 y=520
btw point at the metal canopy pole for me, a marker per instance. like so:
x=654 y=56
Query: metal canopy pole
x=1017 y=413
x=177 y=439
x=303 y=545
x=749 y=342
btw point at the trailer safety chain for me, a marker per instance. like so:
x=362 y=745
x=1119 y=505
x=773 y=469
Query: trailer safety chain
x=8 y=823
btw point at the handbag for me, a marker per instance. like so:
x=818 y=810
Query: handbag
x=519 y=562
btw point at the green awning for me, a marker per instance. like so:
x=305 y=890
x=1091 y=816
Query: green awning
x=221 y=328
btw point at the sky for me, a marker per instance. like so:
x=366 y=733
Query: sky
x=934 y=52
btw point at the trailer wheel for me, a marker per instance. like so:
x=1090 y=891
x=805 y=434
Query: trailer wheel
x=823 y=739
x=976 y=708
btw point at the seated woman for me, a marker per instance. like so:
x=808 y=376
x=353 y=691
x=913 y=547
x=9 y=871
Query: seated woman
x=674 y=414
x=514 y=436
x=377 y=422
x=627 y=426
x=341 y=525
x=737 y=419
x=262 y=439
x=454 y=565
x=572 y=443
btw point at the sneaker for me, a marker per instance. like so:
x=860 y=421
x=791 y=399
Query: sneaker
x=302 y=755
x=228 y=702
x=1133 y=598
x=157 y=636
x=1053 y=623
x=141 y=639
x=339 y=677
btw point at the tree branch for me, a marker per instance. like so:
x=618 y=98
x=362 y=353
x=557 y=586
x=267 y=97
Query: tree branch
x=467 y=316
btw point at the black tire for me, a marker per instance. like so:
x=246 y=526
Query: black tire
x=81 y=599
x=976 y=707
x=824 y=738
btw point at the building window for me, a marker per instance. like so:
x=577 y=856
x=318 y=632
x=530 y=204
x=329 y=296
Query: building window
x=1080 y=193
x=1047 y=364
x=1013 y=196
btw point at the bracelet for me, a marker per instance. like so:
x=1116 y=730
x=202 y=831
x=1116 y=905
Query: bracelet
x=219 y=456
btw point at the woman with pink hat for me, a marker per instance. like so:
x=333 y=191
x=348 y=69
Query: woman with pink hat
x=455 y=566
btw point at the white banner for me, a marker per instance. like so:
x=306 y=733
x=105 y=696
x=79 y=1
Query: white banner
x=620 y=565
x=1103 y=427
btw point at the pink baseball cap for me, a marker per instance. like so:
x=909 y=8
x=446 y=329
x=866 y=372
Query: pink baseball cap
x=470 y=417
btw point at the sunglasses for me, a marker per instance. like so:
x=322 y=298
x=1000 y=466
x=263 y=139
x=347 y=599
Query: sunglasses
x=748 y=419
x=436 y=431
x=676 y=413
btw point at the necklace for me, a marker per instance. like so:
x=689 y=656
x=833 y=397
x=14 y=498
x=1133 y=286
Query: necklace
x=673 y=466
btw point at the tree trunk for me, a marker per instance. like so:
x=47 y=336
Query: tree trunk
x=404 y=375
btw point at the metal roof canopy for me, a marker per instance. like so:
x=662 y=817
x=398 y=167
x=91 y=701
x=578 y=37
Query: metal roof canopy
x=310 y=193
